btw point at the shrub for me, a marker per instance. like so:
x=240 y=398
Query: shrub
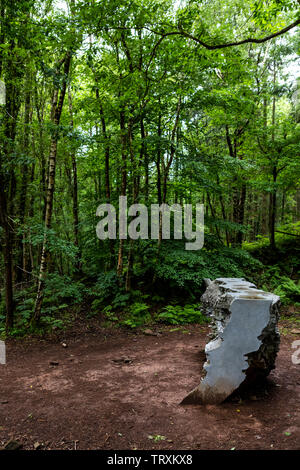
x=288 y=291
x=187 y=269
x=138 y=315
x=177 y=315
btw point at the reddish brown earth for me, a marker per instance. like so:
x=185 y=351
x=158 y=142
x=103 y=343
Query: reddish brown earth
x=94 y=400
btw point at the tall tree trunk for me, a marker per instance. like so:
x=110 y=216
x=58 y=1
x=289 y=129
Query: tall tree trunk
x=144 y=157
x=7 y=253
x=23 y=191
x=123 y=186
x=168 y=166
x=135 y=191
x=106 y=170
x=283 y=207
x=240 y=214
x=158 y=158
x=213 y=214
x=40 y=116
x=273 y=194
x=56 y=109
x=13 y=74
x=238 y=189
x=273 y=209
x=75 y=189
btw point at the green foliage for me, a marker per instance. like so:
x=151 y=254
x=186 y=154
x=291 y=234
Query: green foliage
x=234 y=142
x=291 y=235
x=156 y=437
x=187 y=269
x=55 y=243
x=61 y=292
x=109 y=313
x=178 y=315
x=288 y=291
x=62 y=288
x=50 y=322
x=138 y=315
x=106 y=287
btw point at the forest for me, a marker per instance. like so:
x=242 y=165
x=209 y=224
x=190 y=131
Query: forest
x=164 y=102
x=156 y=101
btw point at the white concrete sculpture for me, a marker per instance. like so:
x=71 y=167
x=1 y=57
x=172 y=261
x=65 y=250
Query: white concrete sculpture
x=245 y=338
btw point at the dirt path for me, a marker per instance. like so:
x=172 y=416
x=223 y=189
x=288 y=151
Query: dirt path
x=91 y=400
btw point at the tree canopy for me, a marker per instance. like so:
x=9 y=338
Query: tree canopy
x=163 y=102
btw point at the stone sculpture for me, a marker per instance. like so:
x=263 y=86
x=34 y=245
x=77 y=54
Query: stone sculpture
x=244 y=339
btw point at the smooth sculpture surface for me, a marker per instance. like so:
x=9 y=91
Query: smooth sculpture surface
x=245 y=338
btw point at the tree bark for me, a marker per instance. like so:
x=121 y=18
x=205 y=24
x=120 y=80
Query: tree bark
x=75 y=190
x=7 y=179
x=56 y=109
x=23 y=192
x=123 y=185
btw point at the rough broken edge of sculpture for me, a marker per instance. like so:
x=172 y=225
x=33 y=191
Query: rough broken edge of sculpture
x=227 y=356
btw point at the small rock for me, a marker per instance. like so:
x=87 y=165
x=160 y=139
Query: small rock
x=3 y=402
x=295 y=331
x=149 y=332
x=53 y=363
x=13 y=445
x=125 y=360
x=37 y=446
x=64 y=345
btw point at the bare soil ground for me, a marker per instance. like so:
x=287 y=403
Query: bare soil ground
x=112 y=389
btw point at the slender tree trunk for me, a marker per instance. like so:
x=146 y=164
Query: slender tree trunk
x=106 y=170
x=273 y=194
x=238 y=191
x=8 y=180
x=40 y=117
x=144 y=158
x=212 y=211
x=57 y=105
x=135 y=193
x=158 y=159
x=23 y=191
x=123 y=186
x=241 y=213
x=273 y=209
x=168 y=166
x=75 y=190
x=283 y=207
x=7 y=254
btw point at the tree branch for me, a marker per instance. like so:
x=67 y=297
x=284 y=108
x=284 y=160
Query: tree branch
x=220 y=46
